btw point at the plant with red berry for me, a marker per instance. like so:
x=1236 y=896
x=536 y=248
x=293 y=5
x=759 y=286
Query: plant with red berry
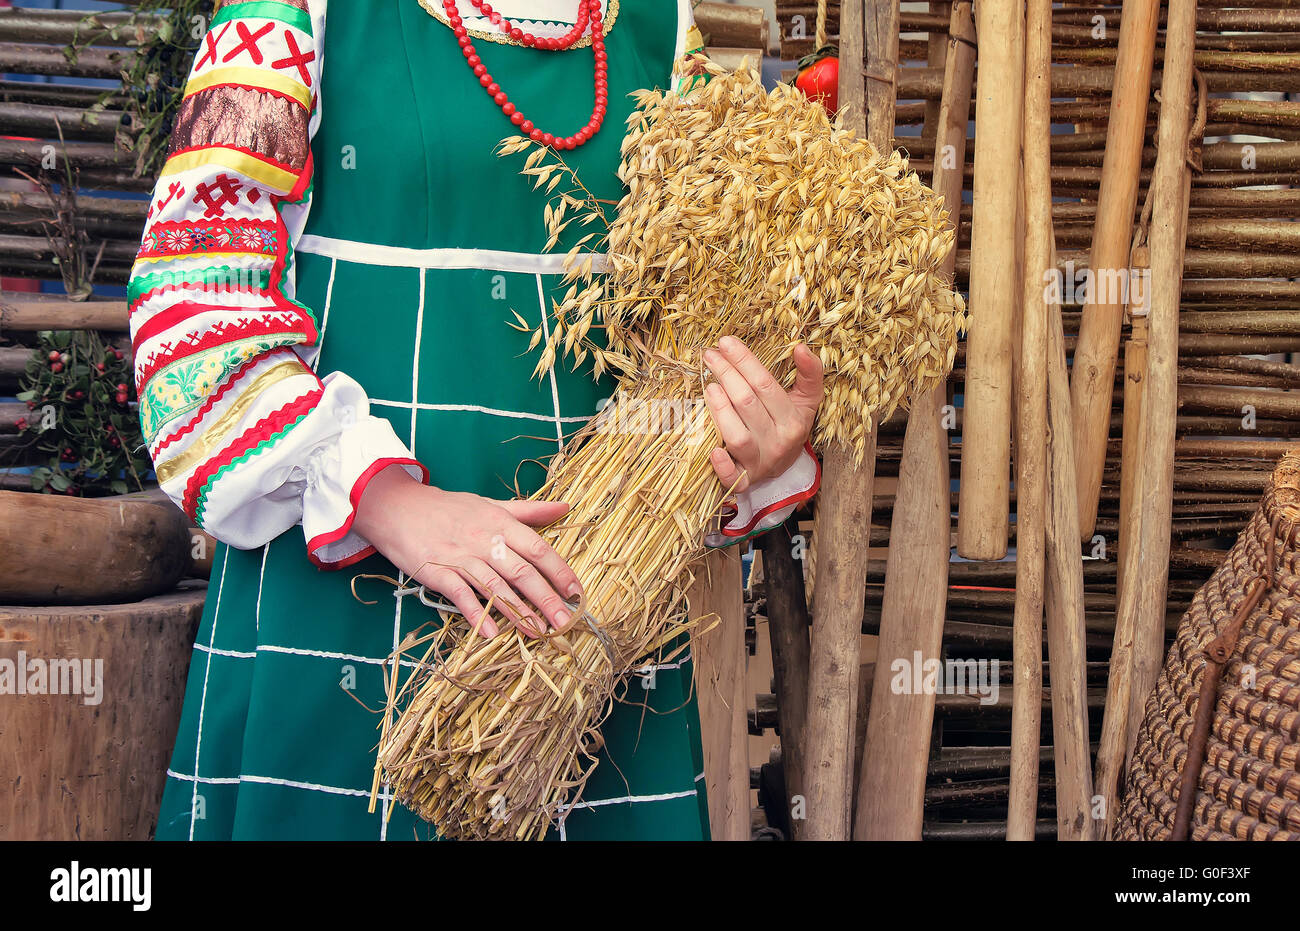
x=82 y=424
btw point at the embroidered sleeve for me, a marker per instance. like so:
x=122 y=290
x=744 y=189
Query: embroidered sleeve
x=687 y=76
x=244 y=436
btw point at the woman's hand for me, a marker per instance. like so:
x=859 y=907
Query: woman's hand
x=471 y=549
x=762 y=426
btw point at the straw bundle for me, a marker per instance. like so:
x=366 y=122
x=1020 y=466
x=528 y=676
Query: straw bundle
x=747 y=213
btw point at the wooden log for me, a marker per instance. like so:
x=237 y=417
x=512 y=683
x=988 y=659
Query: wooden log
x=787 y=624
x=13 y=360
x=89 y=550
x=28 y=313
x=1096 y=354
x=718 y=650
x=1243 y=402
x=1065 y=604
x=891 y=788
x=21 y=58
x=74 y=123
x=1171 y=185
x=1031 y=444
x=843 y=509
x=85 y=766
x=980 y=830
x=33 y=154
x=63 y=95
x=1284 y=371
x=732 y=26
x=983 y=517
x=64 y=27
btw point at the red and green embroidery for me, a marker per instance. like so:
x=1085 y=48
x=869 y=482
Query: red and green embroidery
x=253 y=441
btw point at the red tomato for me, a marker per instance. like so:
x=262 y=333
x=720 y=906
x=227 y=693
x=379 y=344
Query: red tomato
x=819 y=79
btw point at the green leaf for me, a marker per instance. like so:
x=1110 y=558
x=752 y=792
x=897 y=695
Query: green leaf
x=118 y=486
x=25 y=395
x=59 y=482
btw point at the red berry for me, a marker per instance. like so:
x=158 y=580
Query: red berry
x=21 y=423
x=121 y=386
x=117 y=354
x=56 y=367
x=100 y=367
x=54 y=356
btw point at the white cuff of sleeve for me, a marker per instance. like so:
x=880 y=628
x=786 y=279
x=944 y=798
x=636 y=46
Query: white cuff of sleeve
x=767 y=504
x=337 y=473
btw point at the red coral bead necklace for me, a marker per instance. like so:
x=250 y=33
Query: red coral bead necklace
x=589 y=18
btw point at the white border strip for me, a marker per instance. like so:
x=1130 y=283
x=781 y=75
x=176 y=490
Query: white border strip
x=477 y=409
x=365 y=253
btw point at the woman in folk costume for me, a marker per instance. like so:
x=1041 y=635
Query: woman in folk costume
x=361 y=380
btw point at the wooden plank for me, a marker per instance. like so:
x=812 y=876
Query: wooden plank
x=891 y=789
x=1169 y=197
x=719 y=655
x=843 y=527
x=983 y=518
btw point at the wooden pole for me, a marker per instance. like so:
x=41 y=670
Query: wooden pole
x=1096 y=354
x=1064 y=603
x=1031 y=433
x=842 y=534
x=719 y=655
x=1171 y=188
x=891 y=790
x=1114 y=725
x=983 y=517
x=787 y=626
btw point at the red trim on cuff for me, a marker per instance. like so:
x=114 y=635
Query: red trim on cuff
x=358 y=487
x=797 y=498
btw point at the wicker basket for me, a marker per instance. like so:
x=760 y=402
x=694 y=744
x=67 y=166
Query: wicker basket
x=1249 y=787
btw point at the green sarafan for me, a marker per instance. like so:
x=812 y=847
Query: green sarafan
x=747 y=213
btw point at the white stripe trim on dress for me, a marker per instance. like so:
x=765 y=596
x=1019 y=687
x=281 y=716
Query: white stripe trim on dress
x=629 y=799
x=365 y=793
x=479 y=409
x=325 y=315
x=497 y=260
x=203 y=701
x=378 y=661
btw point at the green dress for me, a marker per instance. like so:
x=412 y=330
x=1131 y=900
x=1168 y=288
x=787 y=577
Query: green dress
x=418 y=246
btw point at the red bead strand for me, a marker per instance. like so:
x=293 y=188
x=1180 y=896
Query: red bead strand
x=589 y=17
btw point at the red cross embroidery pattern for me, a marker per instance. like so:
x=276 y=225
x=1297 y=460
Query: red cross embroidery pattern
x=249 y=42
x=227 y=189
x=174 y=190
x=296 y=58
x=212 y=43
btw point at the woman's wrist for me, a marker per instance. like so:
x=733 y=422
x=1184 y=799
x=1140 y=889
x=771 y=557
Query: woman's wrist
x=382 y=497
